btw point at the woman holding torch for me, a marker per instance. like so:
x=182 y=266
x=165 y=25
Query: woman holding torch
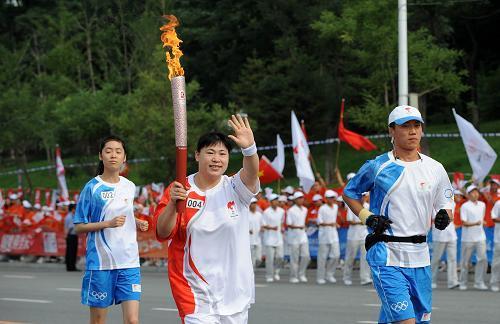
x=209 y=267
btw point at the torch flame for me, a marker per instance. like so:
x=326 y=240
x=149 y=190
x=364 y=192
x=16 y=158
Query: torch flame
x=169 y=39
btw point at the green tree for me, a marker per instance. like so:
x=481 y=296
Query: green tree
x=370 y=51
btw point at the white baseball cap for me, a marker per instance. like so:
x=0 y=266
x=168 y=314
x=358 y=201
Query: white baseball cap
x=402 y=114
x=253 y=200
x=282 y=198
x=13 y=196
x=331 y=194
x=26 y=204
x=268 y=191
x=298 y=194
x=288 y=190
x=340 y=199
x=317 y=197
x=470 y=188
x=494 y=181
x=273 y=196
x=458 y=192
x=350 y=175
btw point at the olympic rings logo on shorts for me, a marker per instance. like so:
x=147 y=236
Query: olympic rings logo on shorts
x=399 y=306
x=99 y=295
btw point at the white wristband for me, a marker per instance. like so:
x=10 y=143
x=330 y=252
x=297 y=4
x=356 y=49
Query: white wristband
x=249 y=151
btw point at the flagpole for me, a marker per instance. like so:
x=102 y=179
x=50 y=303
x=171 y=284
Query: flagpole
x=337 y=154
x=279 y=186
x=311 y=158
x=338 y=135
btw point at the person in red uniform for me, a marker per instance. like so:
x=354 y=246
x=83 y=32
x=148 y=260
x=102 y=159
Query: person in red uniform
x=312 y=211
x=318 y=187
x=262 y=202
x=459 y=201
x=490 y=197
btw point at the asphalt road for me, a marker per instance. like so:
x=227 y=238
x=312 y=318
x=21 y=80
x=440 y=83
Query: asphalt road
x=31 y=293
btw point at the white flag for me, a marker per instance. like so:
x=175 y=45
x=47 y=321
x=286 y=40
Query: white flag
x=53 y=199
x=481 y=155
x=61 y=179
x=279 y=161
x=301 y=156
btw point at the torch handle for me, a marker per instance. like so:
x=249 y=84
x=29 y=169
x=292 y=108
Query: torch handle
x=180 y=173
x=180 y=122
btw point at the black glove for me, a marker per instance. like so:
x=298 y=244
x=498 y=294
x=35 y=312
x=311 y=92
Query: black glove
x=378 y=223
x=442 y=219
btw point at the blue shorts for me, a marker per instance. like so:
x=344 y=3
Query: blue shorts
x=404 y=292
x=102 y=288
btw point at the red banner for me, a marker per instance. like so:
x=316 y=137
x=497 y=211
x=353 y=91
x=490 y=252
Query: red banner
x=54 y=244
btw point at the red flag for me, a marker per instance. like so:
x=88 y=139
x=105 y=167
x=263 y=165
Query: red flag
x=267 y=173
x=354 y=139
x=458 y=180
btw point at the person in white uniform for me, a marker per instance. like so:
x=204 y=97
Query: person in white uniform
x=255 y=229
x=272 y=223
x=209 y=261
x=405 y=187
x=473 y=239
x=495 y=266
x=356 y=243
x=297 y=239
x=329 y=249
x=105 y=212
x=282 y=200
x=445 y=240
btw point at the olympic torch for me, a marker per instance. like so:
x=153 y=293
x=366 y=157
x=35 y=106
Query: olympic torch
x=176 y=75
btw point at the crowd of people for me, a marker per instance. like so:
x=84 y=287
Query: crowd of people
x=18 y=215
x=278 y=228
x=279 y=223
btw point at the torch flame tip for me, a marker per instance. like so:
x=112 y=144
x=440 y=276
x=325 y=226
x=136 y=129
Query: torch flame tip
x=170 y=40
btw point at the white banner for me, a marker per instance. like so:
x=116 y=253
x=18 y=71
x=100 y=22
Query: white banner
x=279 y=161
x=61 y=178
x=481 y=156
x=301 y=156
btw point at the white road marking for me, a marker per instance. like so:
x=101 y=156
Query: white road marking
x=19 y=276
x=371 y=290
x=260 y=286
x=366 y=322
x=69 y=289
x=165 y=309
x=372 y=305
x=38 y=301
